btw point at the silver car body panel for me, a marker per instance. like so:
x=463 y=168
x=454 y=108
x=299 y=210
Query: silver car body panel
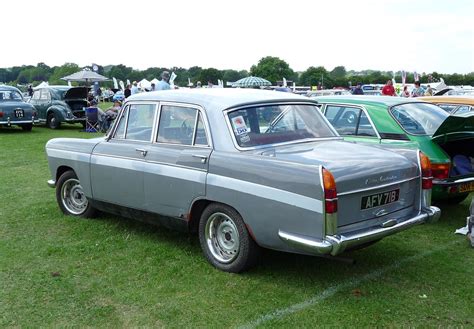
x=277 y=189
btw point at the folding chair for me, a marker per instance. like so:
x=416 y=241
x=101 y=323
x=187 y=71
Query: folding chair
x=92 y=120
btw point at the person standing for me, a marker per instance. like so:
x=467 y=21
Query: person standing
x=388 y=89
x=418 y=90
x=127 y=92
x=135 y=88
x=164 y=84
x=358 y=90
x=429 y=91
x=405 y=92
x=153 y=87
x=30 y=90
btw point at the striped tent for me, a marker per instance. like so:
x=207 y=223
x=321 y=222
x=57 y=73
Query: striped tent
x=251 y=82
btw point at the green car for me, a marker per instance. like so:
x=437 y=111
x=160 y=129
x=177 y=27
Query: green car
x=411 y=123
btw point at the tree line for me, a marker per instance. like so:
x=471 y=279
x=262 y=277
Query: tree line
x=271 y=68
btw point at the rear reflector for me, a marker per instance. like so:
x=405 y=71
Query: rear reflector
x=440 y=170
x=330 y=192
x=426 y=174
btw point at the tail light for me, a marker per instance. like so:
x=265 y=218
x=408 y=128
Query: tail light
x=330 y=193
x=426 y=174
x=440 y=170
x=1 y=114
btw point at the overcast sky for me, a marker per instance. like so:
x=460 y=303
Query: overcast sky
x=416 y=35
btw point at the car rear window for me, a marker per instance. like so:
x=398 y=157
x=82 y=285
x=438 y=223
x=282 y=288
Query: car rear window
x=419 y=118
x=10 y=95
x=271 y=124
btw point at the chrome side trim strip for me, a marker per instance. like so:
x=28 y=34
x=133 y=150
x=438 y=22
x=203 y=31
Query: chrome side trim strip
x=378 y=186
x=266 y=192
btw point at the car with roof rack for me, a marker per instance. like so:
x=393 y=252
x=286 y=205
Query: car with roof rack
x=243 y=169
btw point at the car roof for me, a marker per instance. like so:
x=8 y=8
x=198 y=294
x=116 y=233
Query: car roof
x=366 y=100
x=450 y=99
x=219 y=98
x=6 y=87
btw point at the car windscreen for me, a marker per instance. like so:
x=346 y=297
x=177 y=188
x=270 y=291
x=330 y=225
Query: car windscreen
x=419 y=118
x=10 y=95
x=270 y=124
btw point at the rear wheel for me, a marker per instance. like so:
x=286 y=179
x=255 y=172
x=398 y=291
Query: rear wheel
x=52 y=121
x=457 y=199
x=71 y=198
x=27 y=127
x=225 y=240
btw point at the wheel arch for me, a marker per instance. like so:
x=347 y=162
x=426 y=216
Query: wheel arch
x=61 y=170
x=197 y=209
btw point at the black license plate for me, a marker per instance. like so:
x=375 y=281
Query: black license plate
x=19 y=114
x=466 y=187
x=379 y=199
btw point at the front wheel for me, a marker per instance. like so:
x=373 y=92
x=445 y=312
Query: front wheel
x=52 y=121
x=71 y=198
x=225 y=240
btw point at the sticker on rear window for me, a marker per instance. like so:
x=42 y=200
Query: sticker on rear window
x=239 y=125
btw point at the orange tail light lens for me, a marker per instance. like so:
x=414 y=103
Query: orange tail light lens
x=426 y=174
x=440 y=170
x=330 y=192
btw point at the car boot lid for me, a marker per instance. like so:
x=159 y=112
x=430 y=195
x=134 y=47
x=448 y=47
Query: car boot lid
x=455 y=127
x=76 y=93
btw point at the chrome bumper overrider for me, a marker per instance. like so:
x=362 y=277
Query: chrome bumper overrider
x=336 y=244
x=52 y=183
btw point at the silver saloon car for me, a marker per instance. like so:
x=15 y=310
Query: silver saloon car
x=243 y=169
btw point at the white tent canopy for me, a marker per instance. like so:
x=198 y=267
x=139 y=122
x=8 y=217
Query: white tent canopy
x=144 y=84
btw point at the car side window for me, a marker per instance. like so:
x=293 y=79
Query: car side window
x=122 y=121
x=463 y=109
x=36 y=95
x=344 y=119
x=45 y=96
x=365 y=128
x=201 y=137
x=178 y=124
x=140 y=122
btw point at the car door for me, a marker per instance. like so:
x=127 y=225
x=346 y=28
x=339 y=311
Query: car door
x=118 y=164
x=352 y=123
x=179 y=160
x=39 y=105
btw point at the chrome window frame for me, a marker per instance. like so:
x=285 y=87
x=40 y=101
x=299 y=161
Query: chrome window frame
x=361 y=107
x=240 y=148
x=112 y=135
x=199 y=111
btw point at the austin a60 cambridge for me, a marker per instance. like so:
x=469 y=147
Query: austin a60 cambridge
x=244 y=169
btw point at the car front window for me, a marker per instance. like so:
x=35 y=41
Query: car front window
x=270 y=124
x=419 y=118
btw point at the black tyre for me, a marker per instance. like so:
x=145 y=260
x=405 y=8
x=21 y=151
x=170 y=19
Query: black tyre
x=456 y=199
x=71 y=198
x=52 y=121
x=225 y=240
x=27 y=127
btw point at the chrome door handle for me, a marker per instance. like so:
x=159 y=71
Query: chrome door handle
x=142 y=151
x=202 y=157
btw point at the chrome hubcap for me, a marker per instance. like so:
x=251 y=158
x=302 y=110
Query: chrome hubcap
x=72 y=197
x=222 y=237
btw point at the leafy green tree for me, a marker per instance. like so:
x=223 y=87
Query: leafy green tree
x=210 y=75
x=314 y=76
x=233 y=75
x=338 y=72
x=62 y=71
x=273 y=69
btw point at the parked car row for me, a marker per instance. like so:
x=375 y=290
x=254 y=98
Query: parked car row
x=246 y=170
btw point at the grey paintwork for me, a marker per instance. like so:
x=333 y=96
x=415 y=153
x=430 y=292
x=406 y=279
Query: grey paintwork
x=276 y=188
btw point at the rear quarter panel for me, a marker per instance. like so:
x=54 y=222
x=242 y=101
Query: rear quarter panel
x=269 y=194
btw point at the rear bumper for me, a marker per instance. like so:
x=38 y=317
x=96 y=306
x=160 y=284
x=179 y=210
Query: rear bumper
x=51 y=183
x=336 y=244
x=10 y=122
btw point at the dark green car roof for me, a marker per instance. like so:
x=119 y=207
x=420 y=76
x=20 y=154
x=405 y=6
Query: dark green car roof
x=386 y=101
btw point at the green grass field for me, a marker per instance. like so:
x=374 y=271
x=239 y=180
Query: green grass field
x=58 y=271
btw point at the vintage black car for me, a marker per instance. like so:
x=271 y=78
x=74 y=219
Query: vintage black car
x=14 y=111
x=57 y=104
